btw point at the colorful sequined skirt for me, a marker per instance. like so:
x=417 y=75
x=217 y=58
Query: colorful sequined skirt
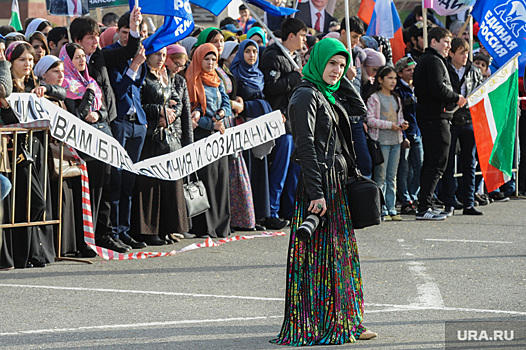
x=324 y=300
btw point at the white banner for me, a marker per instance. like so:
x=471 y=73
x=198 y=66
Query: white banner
x=448 y=7
x=80 y=135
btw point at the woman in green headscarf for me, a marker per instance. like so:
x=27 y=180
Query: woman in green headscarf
x=324 y=300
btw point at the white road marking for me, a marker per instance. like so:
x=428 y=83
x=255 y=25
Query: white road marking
x=141 y=292
x=465 y=241
x=428 y=291
x=137 y=325
x=390 y=308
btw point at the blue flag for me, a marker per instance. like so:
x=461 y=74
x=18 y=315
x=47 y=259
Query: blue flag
x=217 y=6
x=173 y=30
x=502 y=29
x=177 y=8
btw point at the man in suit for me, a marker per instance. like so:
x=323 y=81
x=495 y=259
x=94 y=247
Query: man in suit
x=129 y=128
x=314 y=15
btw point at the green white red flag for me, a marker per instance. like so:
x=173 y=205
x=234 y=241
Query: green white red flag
x=494 y=108
x=15 y=16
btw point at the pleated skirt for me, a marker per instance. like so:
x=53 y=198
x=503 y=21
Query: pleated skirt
x=324 y=299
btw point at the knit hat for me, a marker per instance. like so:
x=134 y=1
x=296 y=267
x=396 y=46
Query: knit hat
x=374 y=58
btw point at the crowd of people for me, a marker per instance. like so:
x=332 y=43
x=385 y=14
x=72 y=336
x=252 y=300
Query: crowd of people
x=219 y=78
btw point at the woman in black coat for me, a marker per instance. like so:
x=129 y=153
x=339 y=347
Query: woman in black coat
x=28 y=246
x=159 y=208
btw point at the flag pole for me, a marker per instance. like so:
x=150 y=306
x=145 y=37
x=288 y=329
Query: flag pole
x=470 y=19
x=348 y=32
x=269 y=32
x=424 y=21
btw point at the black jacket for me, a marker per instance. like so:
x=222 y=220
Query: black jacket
x=432 y=87
x=98 y=65
x=315 y=136
x=183 y=123
x=473 y=78
x=82 y=106
x=280 y=79
x=351 y=100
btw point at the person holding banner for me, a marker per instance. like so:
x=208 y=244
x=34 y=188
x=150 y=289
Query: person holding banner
x=210 y=104
x=159 y=207
x=324 y=299
x=84 y=99
x=28 y=246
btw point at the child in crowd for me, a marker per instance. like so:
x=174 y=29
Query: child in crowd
x=411 y=152
x=481 y=61
x=385 y=121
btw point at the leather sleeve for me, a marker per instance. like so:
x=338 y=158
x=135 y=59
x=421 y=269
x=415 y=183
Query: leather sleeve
x=302 y=113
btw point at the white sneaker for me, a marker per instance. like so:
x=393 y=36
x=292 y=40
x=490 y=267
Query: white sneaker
x=430 y=214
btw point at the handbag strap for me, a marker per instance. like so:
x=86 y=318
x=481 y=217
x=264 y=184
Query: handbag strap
x=351 y=156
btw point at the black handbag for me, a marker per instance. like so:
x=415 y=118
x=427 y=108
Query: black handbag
x=195 y=197
x=164 y=140
x=365 y=201
x=364 y=196
x=375 y=150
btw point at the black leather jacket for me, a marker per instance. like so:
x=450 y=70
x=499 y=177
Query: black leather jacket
x=155 y=97
x=183 y=123
x=81 y=108
x=314 y=134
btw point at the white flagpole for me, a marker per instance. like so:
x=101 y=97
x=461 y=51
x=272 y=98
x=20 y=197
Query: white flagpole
x=424 y=21
x=348 y=32
x=269 y=32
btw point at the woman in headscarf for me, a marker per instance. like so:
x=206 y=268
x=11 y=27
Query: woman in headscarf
x=229 y=53
x=107 y=37
x=38 y=25
x=210 y=105
x=250 y=86
x=28 y=246
x=84 y=100
x=50 y=70
x=324 y=300
x=39 y=43
x=159 y=208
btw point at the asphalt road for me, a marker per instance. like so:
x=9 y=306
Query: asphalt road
x=416 y=275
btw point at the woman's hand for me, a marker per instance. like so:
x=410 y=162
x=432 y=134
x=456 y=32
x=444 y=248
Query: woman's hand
x=238 y=105
x=91 y=86
x=39 y=91
x=318 y=206
x=170 y=115
x=92 y=117
x=404 y=125
x=395 y=127
x=196 y=115
x=218 y=126
x=162 y=122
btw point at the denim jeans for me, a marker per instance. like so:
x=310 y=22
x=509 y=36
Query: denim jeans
x=466 y=137
x=385 y=177
x=408 y=178
x=363 y=157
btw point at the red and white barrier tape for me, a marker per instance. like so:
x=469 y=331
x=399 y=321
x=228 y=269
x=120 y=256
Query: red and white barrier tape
x=89 y=235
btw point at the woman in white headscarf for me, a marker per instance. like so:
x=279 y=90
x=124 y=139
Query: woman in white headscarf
x=38 y=25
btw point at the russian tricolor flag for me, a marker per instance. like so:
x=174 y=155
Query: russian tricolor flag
x=383 y=20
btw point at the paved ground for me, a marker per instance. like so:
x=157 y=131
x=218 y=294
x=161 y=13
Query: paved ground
x=417 y=275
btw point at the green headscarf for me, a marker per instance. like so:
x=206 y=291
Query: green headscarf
x=320 y=55
x=201 y=39
x=259 y=31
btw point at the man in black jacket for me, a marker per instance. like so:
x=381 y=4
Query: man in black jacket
x=434 y=92
x=465 y=77
x=85 y=31
x=280 y=79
